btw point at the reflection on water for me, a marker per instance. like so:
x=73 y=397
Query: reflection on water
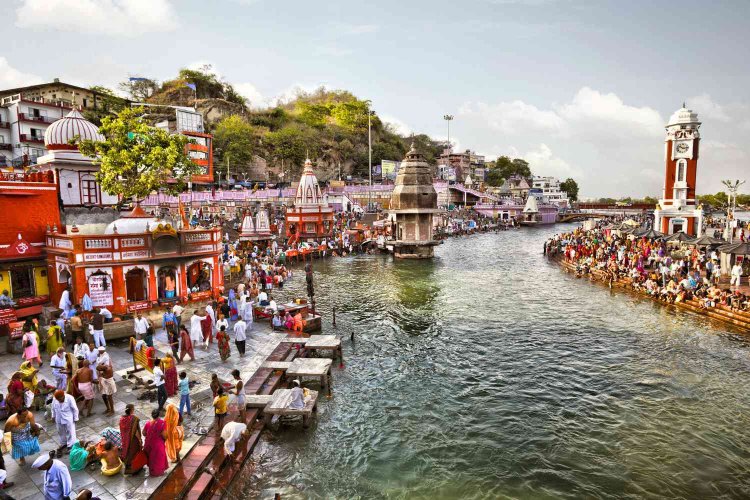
x=489 y=373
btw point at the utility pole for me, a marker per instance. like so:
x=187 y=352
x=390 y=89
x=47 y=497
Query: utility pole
x=448 y=119
x=732 y=188
x=369 y=154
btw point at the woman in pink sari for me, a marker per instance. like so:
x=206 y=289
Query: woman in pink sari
x=154 y=438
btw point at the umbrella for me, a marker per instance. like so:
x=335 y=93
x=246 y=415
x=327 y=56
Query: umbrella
x=741 y=248
x=630 y=222
x=86 y=302
x=707 y=241
x=639 y=231
x=680 y=236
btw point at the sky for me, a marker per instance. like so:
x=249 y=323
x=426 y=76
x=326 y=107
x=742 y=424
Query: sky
x=579 y=89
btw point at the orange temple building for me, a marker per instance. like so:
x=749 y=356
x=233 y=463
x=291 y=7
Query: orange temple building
x=311 y=217
x=139 y=263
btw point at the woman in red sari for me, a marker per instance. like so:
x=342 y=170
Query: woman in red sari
x=154 y=444
x=15 y=394
x=207 y=329
x=169 y=367
x=186 y=345
x=222 y=339
x=130 y=433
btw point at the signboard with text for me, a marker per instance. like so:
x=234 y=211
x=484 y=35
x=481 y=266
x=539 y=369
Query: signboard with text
x=100 y=290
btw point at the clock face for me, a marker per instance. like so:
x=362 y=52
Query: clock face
x=682 y=147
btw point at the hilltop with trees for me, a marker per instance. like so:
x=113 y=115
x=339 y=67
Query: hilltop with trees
x=329 y=126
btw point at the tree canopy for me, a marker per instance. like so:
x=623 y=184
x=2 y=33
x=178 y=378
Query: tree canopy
x=570 y=187
x=136 y=159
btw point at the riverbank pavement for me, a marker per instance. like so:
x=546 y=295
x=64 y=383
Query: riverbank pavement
x=28 y=482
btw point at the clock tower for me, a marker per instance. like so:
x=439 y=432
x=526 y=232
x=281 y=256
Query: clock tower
x=678 y=210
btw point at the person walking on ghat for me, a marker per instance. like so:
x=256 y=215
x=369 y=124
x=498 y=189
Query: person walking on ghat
x=85 y=377
x=57 y=362
x=161 y=389
x=57 y=482
x=186 y=345
x=196 y=332
x=239 y=392
x=107 y=387
x=65 y=415
x=97 y=321
x=240 y=336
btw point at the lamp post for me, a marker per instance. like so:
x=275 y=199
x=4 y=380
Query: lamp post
x=732 y=188
x=448 y=119
x=369 y=155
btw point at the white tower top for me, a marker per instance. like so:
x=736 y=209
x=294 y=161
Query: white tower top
x=308 y=190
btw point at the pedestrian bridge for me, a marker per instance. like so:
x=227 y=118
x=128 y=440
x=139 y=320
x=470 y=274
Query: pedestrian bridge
x=579 y=216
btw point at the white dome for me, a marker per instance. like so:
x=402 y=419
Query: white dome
x=683 y=116
x=60 y=133
x=133 y=225
x=248 y=226
x=308 y=190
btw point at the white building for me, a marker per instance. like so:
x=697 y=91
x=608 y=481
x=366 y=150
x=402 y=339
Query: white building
x=75 y=172
x=550 y=188
x=22 y=126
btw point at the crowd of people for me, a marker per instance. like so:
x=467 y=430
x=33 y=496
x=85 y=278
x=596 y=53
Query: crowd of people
x=652 y=266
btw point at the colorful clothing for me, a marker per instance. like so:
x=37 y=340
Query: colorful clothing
x=31 y=351
x=15 y=395
x=130 y=436
x=28 y=375
x=169 y=368
x=24 y=443
x=175 y=432
x=223 y=340
x=55 y=339
x=186 y=345
x=78 y=457
x=155 y=447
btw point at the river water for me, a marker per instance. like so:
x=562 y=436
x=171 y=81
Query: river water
x=491 y=373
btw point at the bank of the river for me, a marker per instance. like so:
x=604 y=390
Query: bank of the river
x=487 y=373
x=721 y=313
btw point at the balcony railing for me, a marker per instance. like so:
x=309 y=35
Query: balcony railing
x=31 y=118
x=32 y=138
x=4 y=124
x=6 y=147
x=46 y=177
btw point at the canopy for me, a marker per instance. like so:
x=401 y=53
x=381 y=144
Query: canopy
x=651 y=234
x=630 y=222
x=707 y=241
x=680 y=236
x=741 y=248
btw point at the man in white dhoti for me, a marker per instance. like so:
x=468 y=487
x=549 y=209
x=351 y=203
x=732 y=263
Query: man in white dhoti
x=65 y=414
x=58 y=362
x=196 y=334
x=103 y=358
x=65 y=303
x=231 y=434
x=93 y=358
x=210 y=312
x=57 y=482
x=247 y=314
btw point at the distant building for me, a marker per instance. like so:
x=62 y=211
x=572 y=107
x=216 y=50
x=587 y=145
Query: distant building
x=550 y=189
x=462 y=163
x=189 y=122
x=516 y=186
x=26 y=112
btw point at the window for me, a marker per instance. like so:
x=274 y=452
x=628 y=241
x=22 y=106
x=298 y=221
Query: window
x=89 y=191
x=85 y=102
x=22 y=281
x=37 y=133
x=681 y=167
x=136 y=285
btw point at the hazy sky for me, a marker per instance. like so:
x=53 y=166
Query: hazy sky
x=578 y=88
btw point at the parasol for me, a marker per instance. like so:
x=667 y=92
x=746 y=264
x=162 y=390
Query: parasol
x=680 y=237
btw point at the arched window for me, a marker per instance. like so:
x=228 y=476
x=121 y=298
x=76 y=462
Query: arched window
x=681 y=169
x=136 y=285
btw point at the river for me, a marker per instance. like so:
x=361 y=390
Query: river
x=490 y=373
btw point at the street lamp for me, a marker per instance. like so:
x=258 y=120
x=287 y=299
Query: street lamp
x=449 y=118
x=369 y=153
x=732 y=188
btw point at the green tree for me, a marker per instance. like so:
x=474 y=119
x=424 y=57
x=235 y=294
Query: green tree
x=235 y=139
x=570 y=187
x=136 y=159
x=290 y=147
x=139 y=90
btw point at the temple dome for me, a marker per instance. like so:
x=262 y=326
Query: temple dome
x=60 y=133
x=683 y=116
x=308 y=190
x=136 y=222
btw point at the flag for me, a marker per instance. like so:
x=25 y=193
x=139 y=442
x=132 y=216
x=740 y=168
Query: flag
x=137 y=79
x=191 y=85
